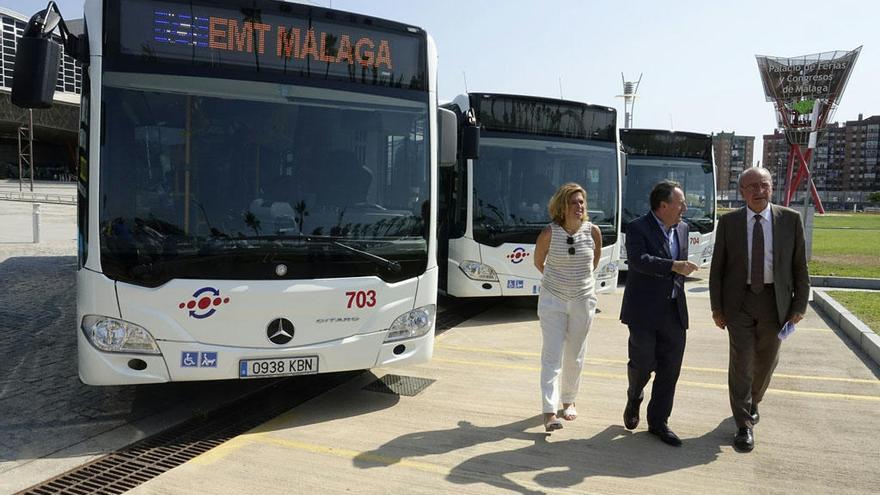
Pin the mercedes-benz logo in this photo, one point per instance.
(280, 331)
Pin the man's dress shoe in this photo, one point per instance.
(666, 435)
(631, 414)
(744, 441)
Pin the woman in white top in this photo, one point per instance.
(566, 253)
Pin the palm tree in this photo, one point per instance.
(330, 47)
(252, 222)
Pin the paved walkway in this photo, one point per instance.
(57, 222)
(476, 429)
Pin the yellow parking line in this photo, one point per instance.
(684, 382)
(226, 448)
(621, 361)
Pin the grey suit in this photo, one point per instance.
(754, 320)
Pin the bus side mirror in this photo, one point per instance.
(470, 142)
(448, 137)
(37, 60)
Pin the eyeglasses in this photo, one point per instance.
(757, 186)
(570, 240)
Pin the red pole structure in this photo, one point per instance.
(801, 171)
(789, 190)
(804, 172)
(815, 193)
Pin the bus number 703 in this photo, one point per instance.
(361, 298)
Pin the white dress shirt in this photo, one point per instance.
(671, 242)
(767, 225)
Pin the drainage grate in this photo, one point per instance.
(121, 471)
(408, 386)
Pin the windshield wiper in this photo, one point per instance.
(385, 263)
(233, 250)
(516, 228)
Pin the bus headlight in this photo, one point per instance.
(707, 251)
(607, 271)
(114, 335)
(412, 324)
(477, 271)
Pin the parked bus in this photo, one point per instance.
(256, 187)
(685, 157)
(494, 200)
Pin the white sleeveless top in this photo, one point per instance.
(569, 276)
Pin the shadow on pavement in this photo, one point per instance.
(436, 442)
(613, 452)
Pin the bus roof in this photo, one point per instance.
(543, 116)
(658, 142)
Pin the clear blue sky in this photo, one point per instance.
(697, 57)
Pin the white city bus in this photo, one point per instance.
(685, 157)
(257, 186)
(515, 152)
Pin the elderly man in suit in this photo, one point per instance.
(757, 282)
(655, 308)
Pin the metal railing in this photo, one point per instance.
(29, 197)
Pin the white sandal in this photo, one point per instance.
(569, 413)
(553, 425)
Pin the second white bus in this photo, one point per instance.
(686, 157)
(494, 201)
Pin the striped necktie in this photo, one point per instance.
(757, 268)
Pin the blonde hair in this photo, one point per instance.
(559, 202)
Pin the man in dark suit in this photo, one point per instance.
(757, 282)
(655, 308)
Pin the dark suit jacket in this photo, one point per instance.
(650, 278)
(730, 263)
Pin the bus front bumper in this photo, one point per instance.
(192, 361)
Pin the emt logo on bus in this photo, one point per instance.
(518, 255)
(203, 303)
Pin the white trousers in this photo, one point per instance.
(564, 326)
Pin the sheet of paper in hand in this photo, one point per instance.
(787, 330)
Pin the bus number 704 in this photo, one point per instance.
(361, 298)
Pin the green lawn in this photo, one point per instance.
(865, 305)
(847, 221)
(846, 245)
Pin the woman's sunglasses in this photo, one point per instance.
(570, 241)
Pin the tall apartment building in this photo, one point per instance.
(844, 165)
(732, 155)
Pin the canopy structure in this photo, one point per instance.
(805, 91)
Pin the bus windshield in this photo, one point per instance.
(515, 178)
(695, 177)
(223, 179)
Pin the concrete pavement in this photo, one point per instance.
(477, 428)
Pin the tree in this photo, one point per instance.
(874, 197)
